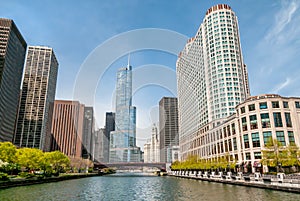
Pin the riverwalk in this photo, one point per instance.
(281, 182)
(24, 182)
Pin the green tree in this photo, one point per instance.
(8, 152)
(56, 160)
(30, 158)
(273, 155)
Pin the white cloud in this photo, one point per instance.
(282, 85)
(282, 19)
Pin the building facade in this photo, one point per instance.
(67, 127)
(152, 147)
(211, 76)
(12, 56)
(147, 151)
(109, 126)
(244, 134)
(37, 99)
(168, 126)
(88, 133)
(99, 148)
(123, 140)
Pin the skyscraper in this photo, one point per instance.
(168, 126)
(123, 140)
(12, 55)
(37, 99)
(67, 127)
(211, 75)
(99, 145)
(109, 126)
(88, 132)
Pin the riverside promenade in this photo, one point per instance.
(281, 182)
(25, 182)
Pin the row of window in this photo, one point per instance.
(264, 105)
(267, 136)
(265, 121)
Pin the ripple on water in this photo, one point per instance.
(122, 188)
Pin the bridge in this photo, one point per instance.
(131, 165)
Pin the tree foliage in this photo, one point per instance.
(7, 152)
(194, 163)
(31, 160)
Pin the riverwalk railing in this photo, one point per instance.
(277, 182)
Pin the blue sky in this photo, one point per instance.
(269, 31)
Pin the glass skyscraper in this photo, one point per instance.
(123, 140)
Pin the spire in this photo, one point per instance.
(128, 62)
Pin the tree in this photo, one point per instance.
(273, 154)
(56, 160)
(7, 152)
(30, 158)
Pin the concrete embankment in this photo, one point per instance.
(281, 186)
(32, 181)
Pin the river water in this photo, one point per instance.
(124, 187)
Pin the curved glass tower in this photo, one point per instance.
(123, 140)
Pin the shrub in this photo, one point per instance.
(26, 175)
(3, 176)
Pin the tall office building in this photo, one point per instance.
(67, 127)
(99, 145)
(168, 126)
(109, 126)
(88, 132)
(12, 56)
(123, 140)
(37, 99)
(211, 75)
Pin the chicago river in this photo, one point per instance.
(122, 186)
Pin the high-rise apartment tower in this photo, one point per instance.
(123, 140)
(211, 75)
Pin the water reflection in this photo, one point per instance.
(140, 187)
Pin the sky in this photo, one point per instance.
(92, 39)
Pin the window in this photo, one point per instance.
(285, 104)
(257, 155)
(233, 129)
(248, 156)
(291, 137)
(265, 120)
(244, 123)
(229, 145)
(288, 119)
(267, 136)
(280, 137)
(277, 119)
(228, 131)
(242, 110)
(246, 141)
(255, 140)
(234, 144)
(251, 107)
(297, 104)
(253, 122)
(263, 105)
(275, 104)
